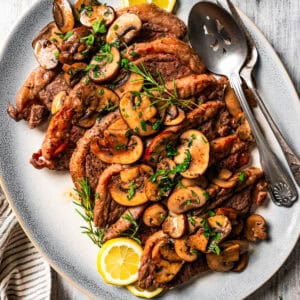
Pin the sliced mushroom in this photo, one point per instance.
(255, 228)
(194, 142)
(94, 100)
(116, 146)
(58, 102)
(124, 29)
(51, 33)
(229, 212)
(97, 13)
(174, 116)
(128, 82)
(232, 102)
(74, 73)
(157, 148)
(182, 200)
(198, 241)
(242, 263)
(161, 185)
(220, 224)
(194, 223)
(46, 54)
(165, 271)
(224, 174)
(154, 215)
(244, 245)
(184, 250)
(105, 67)
(168, 253)
(200, 181)
(175, 226)
(225, 261)
(131, 193)
(63, 15)
(140, 115)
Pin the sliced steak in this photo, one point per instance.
(189, 271)
(47, 94)
(156, 22)
(38, 114)
(241, 201)
(169, 66)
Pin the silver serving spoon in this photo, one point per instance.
(223, 46)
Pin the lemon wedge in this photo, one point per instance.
(149, 293)
(168, 5)
(119, 260)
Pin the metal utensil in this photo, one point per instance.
(223, 46)
(246, 73)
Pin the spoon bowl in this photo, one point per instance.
(223, 47)
(217, 38)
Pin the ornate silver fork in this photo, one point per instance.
(246, 73)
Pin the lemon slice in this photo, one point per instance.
(150, 293)
(119, 260)
(168, 5)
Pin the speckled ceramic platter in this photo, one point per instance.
(40, 198)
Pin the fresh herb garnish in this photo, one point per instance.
(171, 150)
(89, 39)
(211, 213)
(242, 177)
(65, 36)
(144, 125)
(56, 54)
(87, 212)
(131, 190)
(99, 27)
(133, 231)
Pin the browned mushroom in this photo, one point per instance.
(223, 262)
(184, 250)
(175, 225)
(124, 29)
(255, 228)
(194, 142)
(140, 115)
(73, 73)
(165, 271)
(199, 240)
(158, 147)
(105, 65)
(158, 187)
(46, 54)
(194, 223)
(185, 199)
(242, 263)
(174, 116)
(200, 181)
(132, 191)
(167, 252)
(96, 13)
(116, 147)
(154, 215)
(220, 224)
(128, 82)
(94, 100)
(63, 15)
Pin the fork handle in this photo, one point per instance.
(282, 188)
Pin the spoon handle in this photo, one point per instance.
(282, 187)
(292, 159)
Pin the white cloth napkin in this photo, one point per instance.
(24, 274)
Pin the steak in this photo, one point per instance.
(47, 94)
(241, 201)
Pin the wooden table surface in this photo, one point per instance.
(279, 20)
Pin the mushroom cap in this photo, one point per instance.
(105, 67)
(154, 215)
(196, 143)
(46, 54)
(185, 199)
(63, 15)
(175, 225)
(97, 13)
(124, 29)
(255, 228)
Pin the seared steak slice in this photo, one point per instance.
(184, 53)
(156, 21)
(169, 66)
(189, 271)
(241, 201)
(28, 95)
(53, 88)
(38, 114)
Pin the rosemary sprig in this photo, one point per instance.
(87, 213)
(132, 231)
(157, 91)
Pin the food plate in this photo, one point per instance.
(44, 208)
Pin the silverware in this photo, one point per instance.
(247, 74)
(223, 46)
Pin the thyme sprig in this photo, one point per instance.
(87, 213)
(157, 91)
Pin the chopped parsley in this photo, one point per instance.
(144, 125)
(99, 27)
(242, 177)
(131, 190)
(65, 36)
(171, 150)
